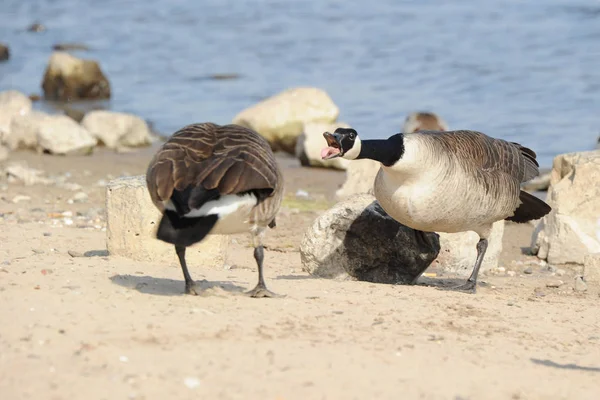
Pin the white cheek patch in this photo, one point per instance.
(353, 153)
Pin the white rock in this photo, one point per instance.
(24, 130)
(132, 220)
(357, 239)
(311, 141)
(591, 268)
(360, 177)
(569, 232)
(12, 104)
(59, 134)
(459, 250)
(281, 118)
(116, 130)
(20, 172)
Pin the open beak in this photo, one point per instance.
(334, 147)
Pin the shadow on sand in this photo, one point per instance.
(169, 287)
(549, 363)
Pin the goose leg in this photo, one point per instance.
(189, 283)
(260, 290)
(471, 284)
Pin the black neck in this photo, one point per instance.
(386, 151)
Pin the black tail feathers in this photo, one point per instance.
(531, 208)
(182, 231)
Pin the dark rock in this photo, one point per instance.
(69, 78)
(36, 27)
(35, 97)
(70, 47)
(357, 239)
(4, 52)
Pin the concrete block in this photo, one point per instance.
(591, 268)
(132, 220)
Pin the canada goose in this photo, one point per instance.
(451, 181)
(424, 121)
(212, 179)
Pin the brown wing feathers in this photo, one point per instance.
(225, 159)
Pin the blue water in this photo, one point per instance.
(528, 71)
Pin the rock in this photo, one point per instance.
(357, 239)
(70, 47)
(360, 177)
(311, 141)
(539, 183)
(115, 129)
(132, 220)
(572, 229)
(459, 250)
(580, 285)
(528, 271)
(591, 268)
(59, 134)
(4, 52)
(19, 198)
(554, 284)
(20, 172)
(280, 119)
(12, 104)
(80, 197)
(424, 121)
(70, 78)
(4, 152)
(598, 143)
(24, 130)
(36, 27)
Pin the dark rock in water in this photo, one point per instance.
(35, 97)
(4, 52)
(357, 239)
(70, 47)
(36, 27)
(69, 78)
(598, 143)
(222, 77)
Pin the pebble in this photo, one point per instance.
(47, 234)
(38, 251)
(528, 271)
(511, 273)
(560, 272)
(123, 359)
(80, 197)
(302, 194)
(19, 198)
(191, 382)
(501, 269)
(554, 284)
(580, 285)
(74, 253)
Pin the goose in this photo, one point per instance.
(453, 181)
(215, 179)
(424, 121)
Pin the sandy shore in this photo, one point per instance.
(77, 323)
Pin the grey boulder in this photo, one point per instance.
(356, 239)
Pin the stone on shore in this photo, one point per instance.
(116, 130)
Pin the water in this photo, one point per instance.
(520, 70)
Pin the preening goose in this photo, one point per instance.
(451, 181)
(424, 121)
(212, 179)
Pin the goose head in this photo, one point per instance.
(343, 142)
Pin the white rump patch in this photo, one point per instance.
(224, 206)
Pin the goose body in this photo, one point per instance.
(452, 181)
(213, 179)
